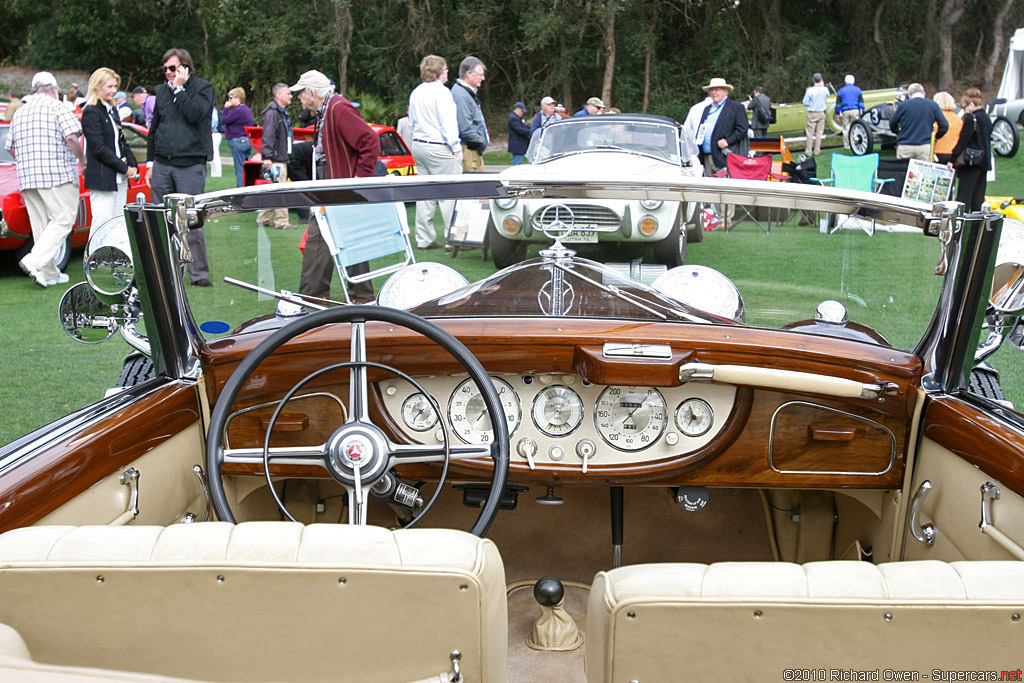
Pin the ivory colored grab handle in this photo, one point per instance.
(787, 380)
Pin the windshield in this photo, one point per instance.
(5, 156)
(885, 281)
(618, 133)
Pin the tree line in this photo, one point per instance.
(638, 55)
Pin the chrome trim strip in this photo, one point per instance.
(923, 533)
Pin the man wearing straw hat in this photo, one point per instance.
(722, 124)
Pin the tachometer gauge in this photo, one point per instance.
(418, 414)
(694, 417)
(468, 414)
(630, 418)
(557, 410)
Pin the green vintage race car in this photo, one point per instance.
(791, 117)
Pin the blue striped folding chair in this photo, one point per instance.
(355, 233)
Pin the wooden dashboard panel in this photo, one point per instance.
(738, 455)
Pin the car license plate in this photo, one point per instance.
(581, 237)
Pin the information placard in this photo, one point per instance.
(927, 182)
(469, 224)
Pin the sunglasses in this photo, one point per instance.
(172, 67)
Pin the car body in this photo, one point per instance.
(791, 117)
(394, 153)
(783, 445)
(628, 143)
(15, 228)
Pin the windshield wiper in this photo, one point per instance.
(284, 295)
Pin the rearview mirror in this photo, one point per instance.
(1008, 287)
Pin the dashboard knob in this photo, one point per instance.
(585, 449)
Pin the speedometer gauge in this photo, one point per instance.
(468, 414)
(630, 418)
(557, 411)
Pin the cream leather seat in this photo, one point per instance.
(257, 601)
(755, 621)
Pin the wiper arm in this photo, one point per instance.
(284, 295)
(628, 297)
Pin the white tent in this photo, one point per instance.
(1012, 87)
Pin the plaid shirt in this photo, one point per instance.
(37, 140)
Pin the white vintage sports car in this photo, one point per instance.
(622, 144)
(792, 462)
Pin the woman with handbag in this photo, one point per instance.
(973, 152)
(109, 161)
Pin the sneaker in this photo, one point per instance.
(202, 283)
(288, 226)
(61, 279)
(36, 276)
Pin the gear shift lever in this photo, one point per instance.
(555, 629)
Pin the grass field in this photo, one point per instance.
(45, 374)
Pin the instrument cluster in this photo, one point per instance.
(565, 419)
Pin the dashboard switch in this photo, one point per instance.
(527, 448)
(585, 449)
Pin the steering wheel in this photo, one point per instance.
(358, 454)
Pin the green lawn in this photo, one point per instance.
(46, 374)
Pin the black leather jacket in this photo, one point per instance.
(179, 134)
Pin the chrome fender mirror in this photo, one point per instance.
(86, 318)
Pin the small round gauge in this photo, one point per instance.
(468, 414)
(418, 414)
(557, 410)
(630, 418)
(694, 417)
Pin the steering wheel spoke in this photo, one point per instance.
(313, 455)
(406, 453)
(358, 394)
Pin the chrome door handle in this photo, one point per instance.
(923, 533)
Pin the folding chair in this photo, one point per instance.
(355, 233)
(855, 173)
(742, 167)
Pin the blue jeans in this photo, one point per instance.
(240, 151)
(517, 159)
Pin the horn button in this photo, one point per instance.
(357, 445)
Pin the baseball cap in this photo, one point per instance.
(596, 101)
(311, 79)
(548, 100)
(816, 76)
(519, 105)
(120, 93)
(43, 78)
(139, 89)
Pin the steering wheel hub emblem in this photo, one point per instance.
(357, 446)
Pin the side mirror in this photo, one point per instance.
(1007, 287)
(86, 318)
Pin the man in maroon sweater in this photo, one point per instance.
(346, 148)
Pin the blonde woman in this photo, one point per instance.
(110, 161)
(944, 146)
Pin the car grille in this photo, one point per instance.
(600, 217)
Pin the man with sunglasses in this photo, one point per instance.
(180, 143)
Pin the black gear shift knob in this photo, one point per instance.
(548, 591)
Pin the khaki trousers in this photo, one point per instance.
(849, 116)
(433, 160)
(814, 129)
(275, 218)
(922, 152)
(472, 161)
(52, 212)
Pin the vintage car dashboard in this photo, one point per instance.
(565, 419)
(579, 416)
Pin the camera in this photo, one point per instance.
(272, 174)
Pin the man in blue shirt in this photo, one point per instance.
(593, 106)
(518, 133)
(815, 100)
(849, 107)
(913, 123)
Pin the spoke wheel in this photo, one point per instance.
(861, 140)
(1005, 137)
(358, 454)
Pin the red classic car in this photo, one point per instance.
(15, 229)
(394, 154)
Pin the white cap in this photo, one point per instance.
(43, 79)
(312, 79)
(849, 79)
(548, 100)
